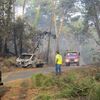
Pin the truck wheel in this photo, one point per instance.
(39, 65)
(67, 64)
(78, 64)
(29, 66)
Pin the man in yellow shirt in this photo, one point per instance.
(58, 61)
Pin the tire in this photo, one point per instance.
(67, 64)
(78, 64)
(39, 65)
(30, 66)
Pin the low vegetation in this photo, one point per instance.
(7, 64)
(76, 84)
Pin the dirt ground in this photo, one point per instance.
(18, 90)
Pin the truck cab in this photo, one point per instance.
(72, 58)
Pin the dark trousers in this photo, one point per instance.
(58, 68)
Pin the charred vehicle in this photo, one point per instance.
(28, 60)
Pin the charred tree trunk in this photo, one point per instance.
(21, 43)
(15, 44)
(4, 47)
(14, 33)
(0, 45)
(48, 48)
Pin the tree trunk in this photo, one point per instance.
(0, 45)
(57, 41)
(55, 22)
(21, 44)
(97, 25)
(4, 47)
(58, 29)
(49, 35)
(96, 19)
(14, 33)
(15, 44)
(48, 49)
(24, 3)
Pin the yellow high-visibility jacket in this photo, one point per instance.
(58, 59)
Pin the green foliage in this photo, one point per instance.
(83, 87)
(66, 91)
(97, 76)
(69, 85)
(70, 77)
(37, 17)
(76, 88)
(43, 97)
(95, 93)
(19, 2)
(9, 61)
(41, 80)
(38, 8)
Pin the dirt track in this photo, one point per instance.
(28, 73)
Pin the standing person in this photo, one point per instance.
(58, 61)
